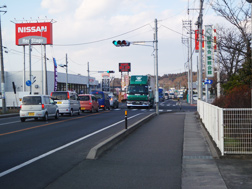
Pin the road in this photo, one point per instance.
(35, 153)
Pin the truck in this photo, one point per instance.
(161, 94)
(140, 91)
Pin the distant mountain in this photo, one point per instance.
(175, 80)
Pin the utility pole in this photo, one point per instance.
(191, 76)
(88, 78)
(185, 41)
(46, 89)
(24, 84)
(30, 66)
(156, 58)
(66, 73)
(2, 67)
(200, 22)
(188, 25)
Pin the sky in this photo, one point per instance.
(79, 24)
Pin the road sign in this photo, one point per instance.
(208, 81)
(28, 83)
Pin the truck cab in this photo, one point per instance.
(140, 93)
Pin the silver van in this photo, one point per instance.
(38, 106)
(67, 102)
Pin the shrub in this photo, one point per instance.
(238, 97)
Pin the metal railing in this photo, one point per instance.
(231, 129)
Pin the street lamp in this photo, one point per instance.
(2, 66)
(65, 65)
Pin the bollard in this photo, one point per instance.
(126, 120)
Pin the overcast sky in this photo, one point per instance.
(86, 21)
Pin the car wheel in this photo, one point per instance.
(61, 114)
(57, 115)
(46, 117)
(22, 119)
(114, 106)
(71, 113)
(35, 118)
(79, 112)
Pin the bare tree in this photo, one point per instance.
(237, 13)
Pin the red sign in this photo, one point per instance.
(124, 67)
(197, 40)
(38, 33)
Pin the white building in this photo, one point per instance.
(76, 83)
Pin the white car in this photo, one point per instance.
(67, 102)
(38, 106)
(195, 97)
(113, 101)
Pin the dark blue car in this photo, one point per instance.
(103, 99)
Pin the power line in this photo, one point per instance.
(101, 40)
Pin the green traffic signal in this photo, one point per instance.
(115, 43)
(110, 71)
(122, 43)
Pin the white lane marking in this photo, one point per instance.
(60, 148)
(9, 123)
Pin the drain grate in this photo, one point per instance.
(197, 157)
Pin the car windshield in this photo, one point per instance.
(138, 89)
(84, 98)
(31, 100)
(59, 95)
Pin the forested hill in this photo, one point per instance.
(175, 80)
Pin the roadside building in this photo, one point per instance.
(78, 83)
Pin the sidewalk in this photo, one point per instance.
(123, 165)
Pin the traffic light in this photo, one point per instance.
(111, 71)
(122, 43)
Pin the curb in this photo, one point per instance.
(97, 150)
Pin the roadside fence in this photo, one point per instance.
(230, 128)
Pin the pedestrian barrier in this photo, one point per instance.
(230, 128)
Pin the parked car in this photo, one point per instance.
(67, 102)
(113, 101)
(88, 102)
(38, 106)
(103, 99)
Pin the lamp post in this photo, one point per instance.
(2, 66)
(65, 65)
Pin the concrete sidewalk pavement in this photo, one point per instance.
(122, 166)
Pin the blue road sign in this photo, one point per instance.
(28, 83)
(208, 81)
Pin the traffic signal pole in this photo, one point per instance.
(156, 63)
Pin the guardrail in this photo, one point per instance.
(231, 129)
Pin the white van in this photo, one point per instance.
(38, 106)
(67, 102)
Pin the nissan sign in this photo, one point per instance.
(38, 33)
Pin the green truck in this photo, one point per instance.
(140, 91)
